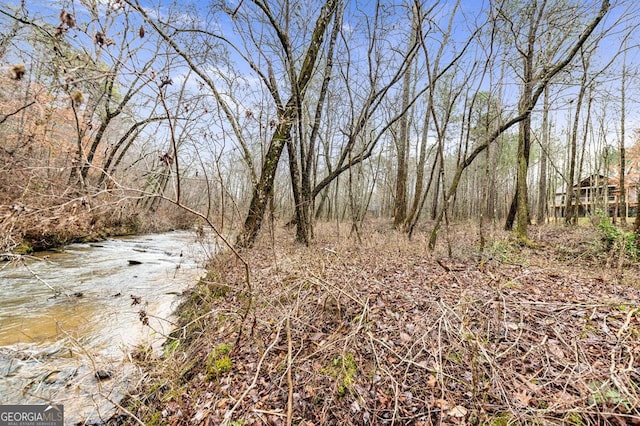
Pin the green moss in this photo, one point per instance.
(525, 241)
(155, 419)
(222, 365)
(24, 248)
(202, 298)
(224, 349)
(218, 290)
(219, 362)
(603, 393)
(502, 419)
(212, 287)
(343, 370)
(573, 419)
(455, 357)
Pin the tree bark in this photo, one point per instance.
(524, 136)
(636, 224)
(571, 213)
(305, 206)
(622, 200)
(542, 183)
(263, 190)
(400, 203)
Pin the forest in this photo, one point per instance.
(427, 210)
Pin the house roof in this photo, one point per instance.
(596, 180)
(592, 180)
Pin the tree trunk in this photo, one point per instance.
(263, 190)
(400, 204)
(571, 197)
(305, 206)
(636, 224)
(511, 214)
(522, 202)
(542, 183)
(300, 201)
(264, 187)
(524, 136)
(622, 201)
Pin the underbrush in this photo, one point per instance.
(616, 240)
(385, 332)
(28, 228)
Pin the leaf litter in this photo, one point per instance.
(386, 332)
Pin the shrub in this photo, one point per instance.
(615, 238)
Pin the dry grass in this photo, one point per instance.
(385, 332)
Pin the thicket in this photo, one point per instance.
(617, 240)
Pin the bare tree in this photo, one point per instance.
(402, 139)
(525, 108)
(434, 72)
(571, 213)
(544, 147)
(622, 200)
(288, 112)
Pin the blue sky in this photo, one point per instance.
(472, 11)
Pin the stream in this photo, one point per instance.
(71, 319)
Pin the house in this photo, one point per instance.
(599, 192)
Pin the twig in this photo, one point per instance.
(228, 414)
(236, 253)
(627, 322)
(289, 368)
(127, 412)
(4, 117)
(37, 277)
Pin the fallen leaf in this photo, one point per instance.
(554, 348)
(458, 411)
(522, 399)
(442, 404)
(431, 381)
(316, 336)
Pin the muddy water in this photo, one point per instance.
(70, 320)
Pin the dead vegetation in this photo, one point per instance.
(37, 226)
(385, 332)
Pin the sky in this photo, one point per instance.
(472, 11)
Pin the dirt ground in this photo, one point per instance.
(383, 331)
